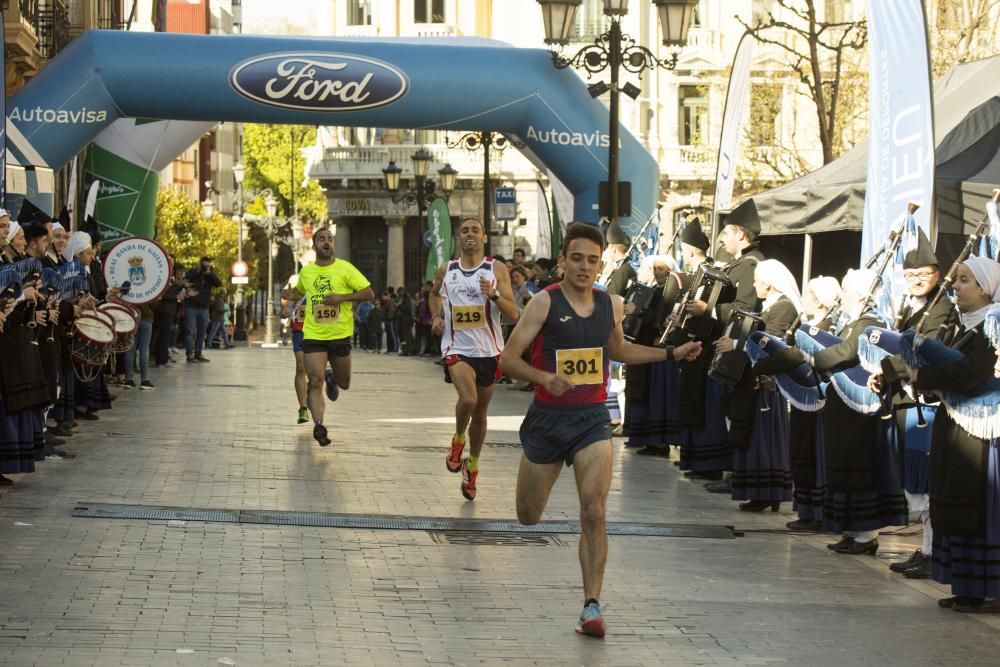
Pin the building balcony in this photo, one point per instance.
(367, 162)
(688, 163)
(431, 30)
(358, 31)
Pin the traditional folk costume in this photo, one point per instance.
(965, 468)
(761, 469)
(863, 491)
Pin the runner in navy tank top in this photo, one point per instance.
(573, 331)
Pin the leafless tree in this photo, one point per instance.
(819, 54)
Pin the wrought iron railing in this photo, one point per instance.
(51, 25)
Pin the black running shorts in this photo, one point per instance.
(339, 347)
(487, 368)
(554, 433)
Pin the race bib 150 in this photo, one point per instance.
(324, 314)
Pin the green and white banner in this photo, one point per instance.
(125, 159)
(439, 235)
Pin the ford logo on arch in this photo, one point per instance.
(319, 81)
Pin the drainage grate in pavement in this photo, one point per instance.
(228, 386)
(387, 522)
(437, 449)
(466, 538)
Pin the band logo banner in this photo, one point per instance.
(901, 121)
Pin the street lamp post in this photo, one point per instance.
(424, 190)
(615, 50)
(271, 226)
(473, 141)
(240, 330)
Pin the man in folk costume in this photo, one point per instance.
(863, 488)
(619, 278)
(920, 313)
(705, 452)
(739, 239)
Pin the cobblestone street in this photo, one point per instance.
(222, 436)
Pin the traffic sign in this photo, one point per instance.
(240, 280)
(239, 270)
(505, 204)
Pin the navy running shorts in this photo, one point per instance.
(554, 433)
(297, 337)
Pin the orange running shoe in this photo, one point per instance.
(468, 481)
(454, 460)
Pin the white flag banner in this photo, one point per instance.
(543, 240)
(732, 122)
(901, 121)
(564, 200)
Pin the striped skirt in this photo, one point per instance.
(763, 471)
(972, 564)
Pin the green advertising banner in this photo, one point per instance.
(439, 234)
(126, 196)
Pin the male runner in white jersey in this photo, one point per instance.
(573, 331)
(468, 296)
(330, 287)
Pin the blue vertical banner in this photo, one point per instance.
(901, 122)
(3, 128)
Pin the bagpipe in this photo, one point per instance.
(711, 285)
(10, 284)
(851, 384)
(796, 379)
(728, 368)
(976, 412)
(30, 270)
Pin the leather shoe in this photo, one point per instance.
(920, 570)
(721, 486)
(978, 606)
(51, 439)
(856, 548)
(844, 541)
(905, 565)
(708, 475)
(61, 431)
(804, 526)
(949, 603)
(759, 505)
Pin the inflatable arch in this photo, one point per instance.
(454, 84)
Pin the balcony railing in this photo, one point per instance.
(358, 31)
(431, 30)
(52, 26)
(368, 161)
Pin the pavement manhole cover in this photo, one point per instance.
(466, 538)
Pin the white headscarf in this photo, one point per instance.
(775, 274)
(987, 274)
(56, 226)
(12, 231)
(645, 272)
(857, 282)
(4, 213)
(77, 243)
(826, 289)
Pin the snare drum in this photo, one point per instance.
(90, 347)
(125, 325)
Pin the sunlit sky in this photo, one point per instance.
(282, 17)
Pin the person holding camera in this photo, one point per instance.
(198, 284)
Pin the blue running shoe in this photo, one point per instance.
(592, 621)
(332, 390)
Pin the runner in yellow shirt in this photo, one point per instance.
(330, 287)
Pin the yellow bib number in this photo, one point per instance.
(324, 314)
(468, 317)
(581, 366)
